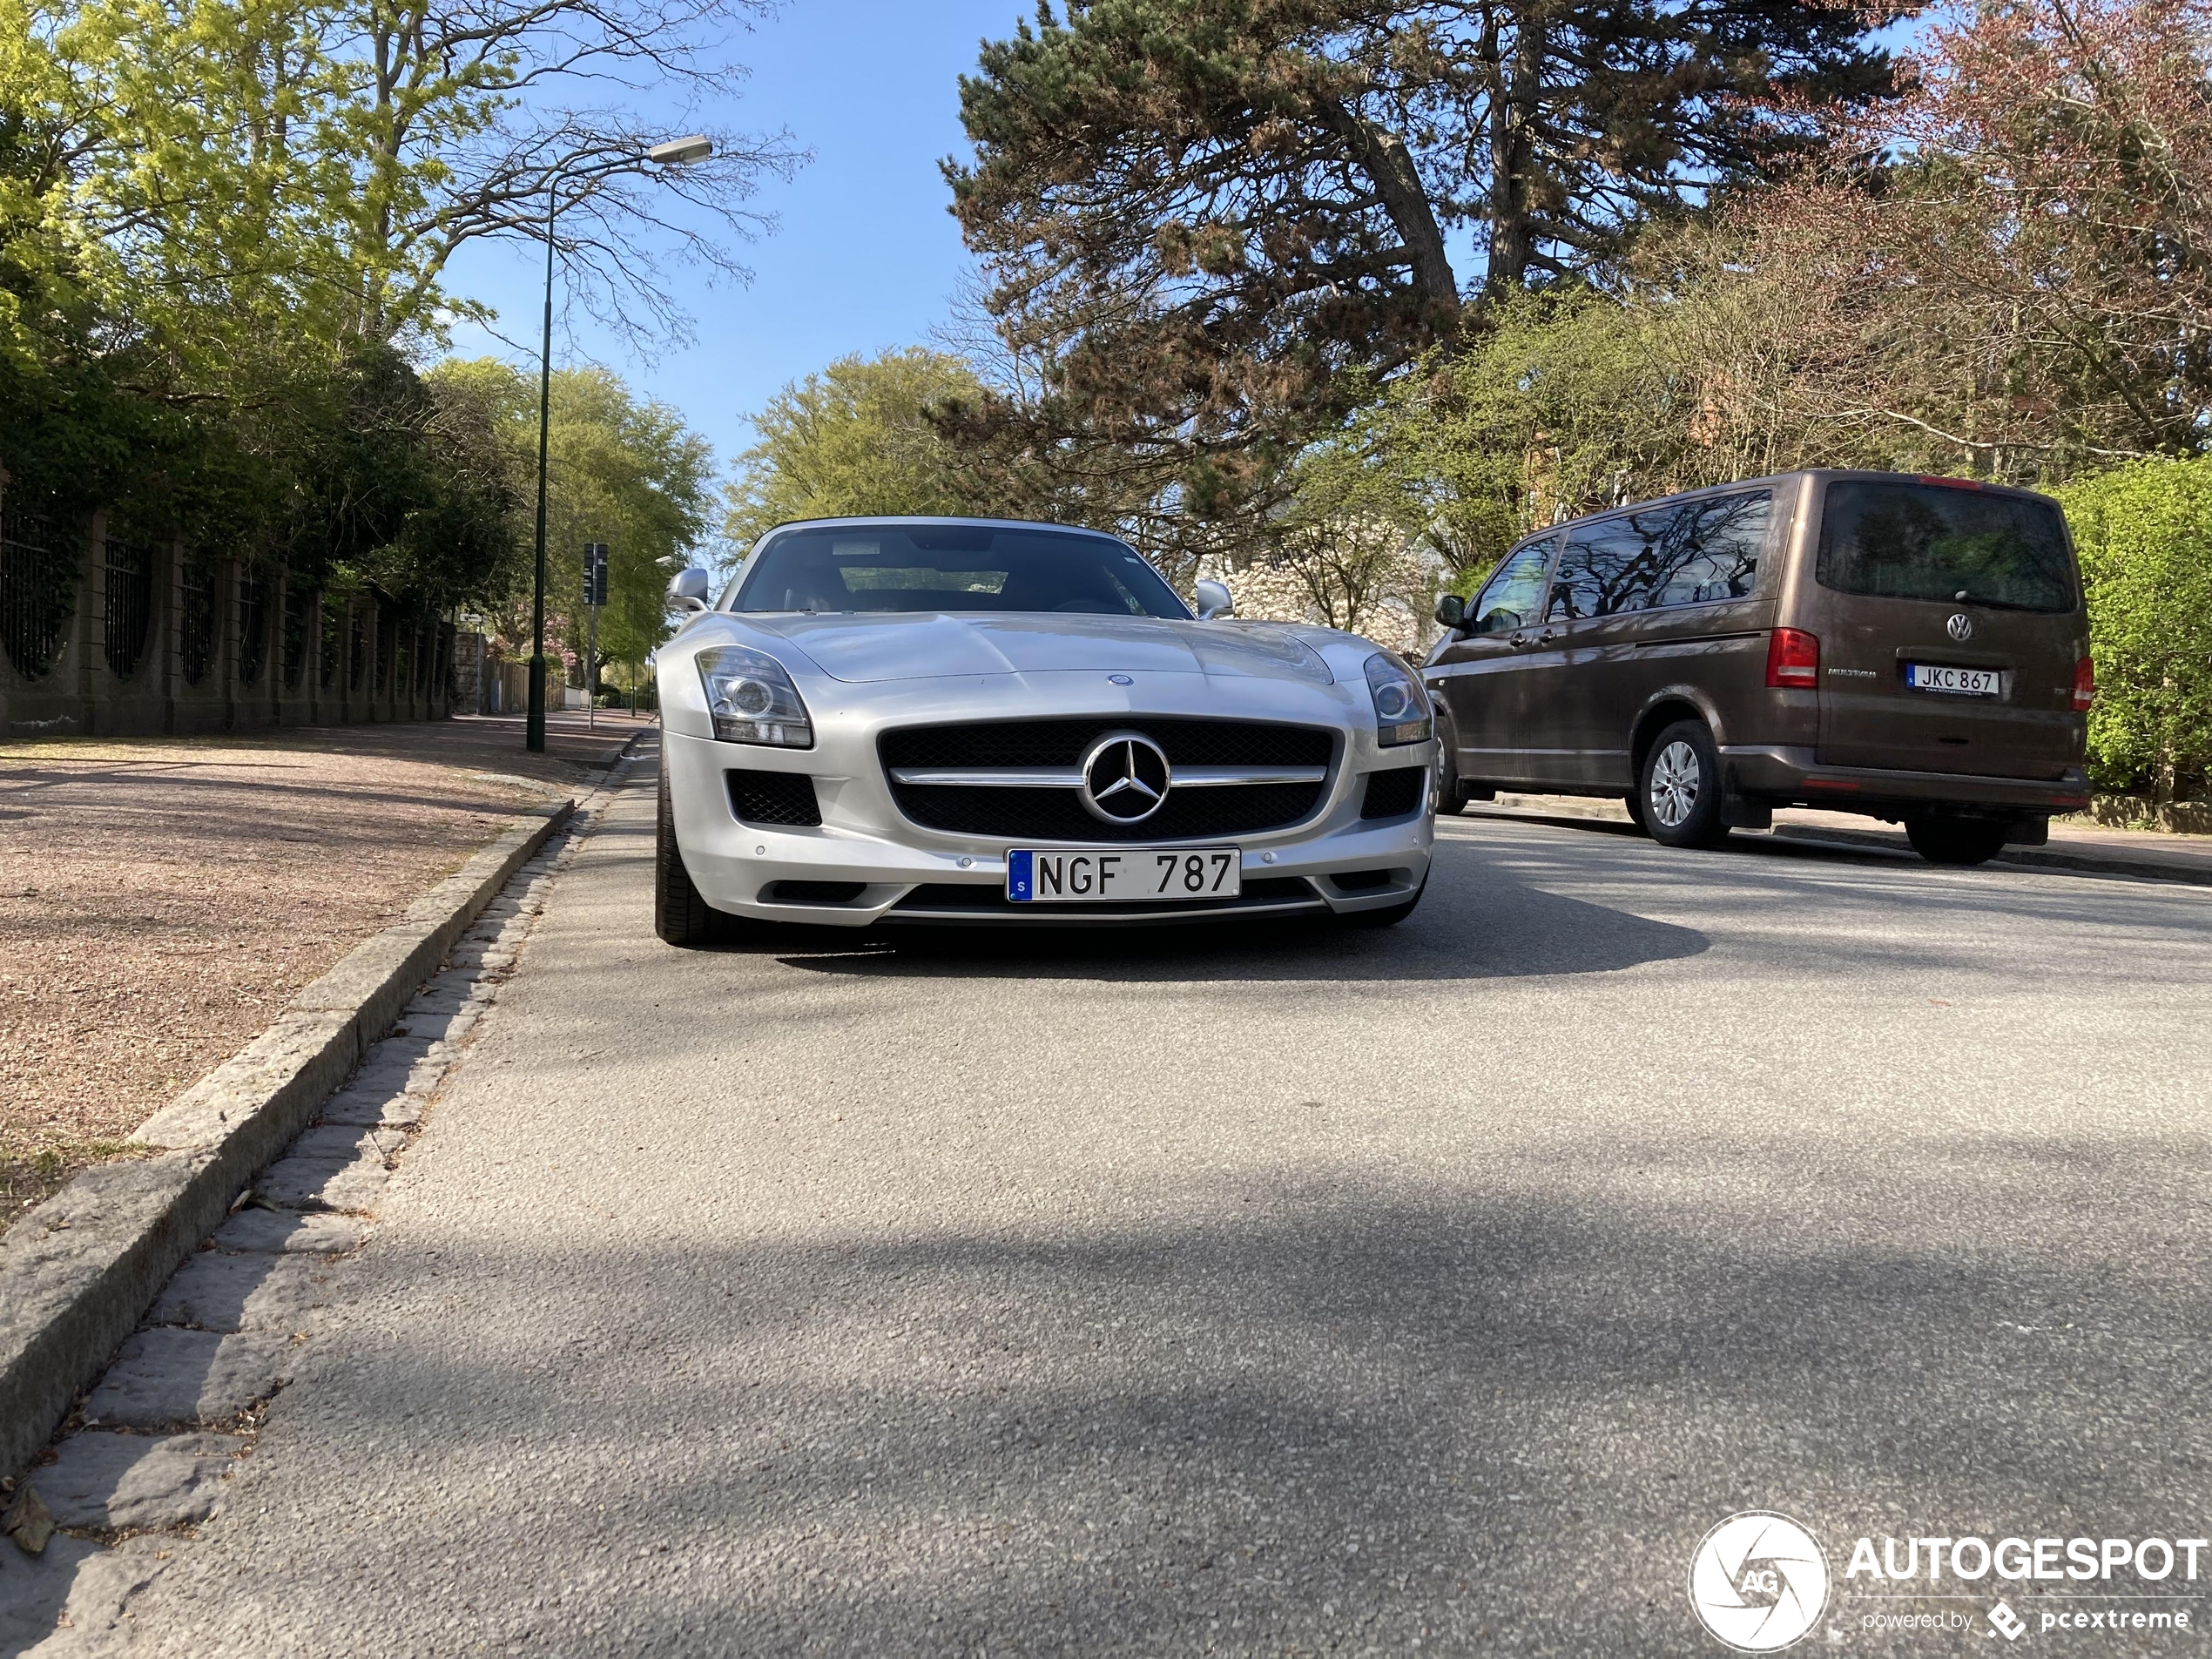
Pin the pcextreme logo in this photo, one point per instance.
(1758, 1582)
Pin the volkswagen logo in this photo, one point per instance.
(1960, 626)
(1125, 778)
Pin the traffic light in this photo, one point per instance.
(595, 573)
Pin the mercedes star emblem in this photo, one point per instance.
(1960, 626)
(1125, 778)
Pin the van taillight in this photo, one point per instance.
(1792, 658)
(2084, 684)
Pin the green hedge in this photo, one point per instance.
(2145, 534)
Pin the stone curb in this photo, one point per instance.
(77, 1272)
(2146, 866)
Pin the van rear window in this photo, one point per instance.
(1910, 541)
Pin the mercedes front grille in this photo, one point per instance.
(1022, 780)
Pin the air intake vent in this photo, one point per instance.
(1393, 794)
(811, 892)
(773, 798)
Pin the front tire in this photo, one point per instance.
(1679, 788)
(1954, 840)
(1451, 795)
(681, 917)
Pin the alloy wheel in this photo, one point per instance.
(1675, 784)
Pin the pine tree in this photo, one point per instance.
(1208, 219)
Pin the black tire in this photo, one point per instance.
(1634, 801)
(1954, 840)
(681, 917)
(1679, 788)
(1451, 795)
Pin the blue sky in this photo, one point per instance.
(866, 256)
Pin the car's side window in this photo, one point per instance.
(1613, 565)
(1714, 554)
(1512, 597)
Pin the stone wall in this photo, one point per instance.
(156, 637)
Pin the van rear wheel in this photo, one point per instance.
(1954, 840)
(1678, 792)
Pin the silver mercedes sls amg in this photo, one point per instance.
(924, 720)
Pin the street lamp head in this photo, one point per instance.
(682, 152)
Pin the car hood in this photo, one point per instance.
(928, 645)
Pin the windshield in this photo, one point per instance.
(953, 567)
(1913, 541)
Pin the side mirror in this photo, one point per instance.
(1214, 601)
(1452, 610)
(688, 590)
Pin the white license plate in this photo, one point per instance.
(1962, 681)
(1123, 874)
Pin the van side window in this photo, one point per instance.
(1696, 554)
(1512, 597)
(1614, 565)
(1715, 550)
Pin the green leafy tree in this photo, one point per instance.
(1200, 213)
(867, 436)
(621, 470)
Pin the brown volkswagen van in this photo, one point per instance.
(1910, 648)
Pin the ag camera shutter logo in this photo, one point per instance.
(1758, 1582)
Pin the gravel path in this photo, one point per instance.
(161, 900)
(1428, 1291)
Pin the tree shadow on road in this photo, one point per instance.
(1305, 1416)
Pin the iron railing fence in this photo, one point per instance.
(332, 620)
(297, 604)
(387, 646)
(196, 620)
(128, 603)
(252, 623)
(38, 567)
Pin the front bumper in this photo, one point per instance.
(1787, 775)
(907, 875)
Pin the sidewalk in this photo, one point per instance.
(2075, 845)
(161, 899)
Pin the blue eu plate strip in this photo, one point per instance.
(1021, 877)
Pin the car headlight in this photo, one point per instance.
(752, 700)
(1401, 706)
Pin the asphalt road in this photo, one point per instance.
(1298, 1291)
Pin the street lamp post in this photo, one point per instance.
(680, 152)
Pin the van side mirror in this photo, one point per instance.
(1214, 601)
(1452, 610)
(688, 590)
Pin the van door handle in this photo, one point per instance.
(1517, 639)
(1547, 636)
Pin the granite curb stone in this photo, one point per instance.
(2150, 865)
(165, 1378)
(352, 1184)
(259, 1291)
(77, 1272)
(114, 1481)
(291, 1232)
